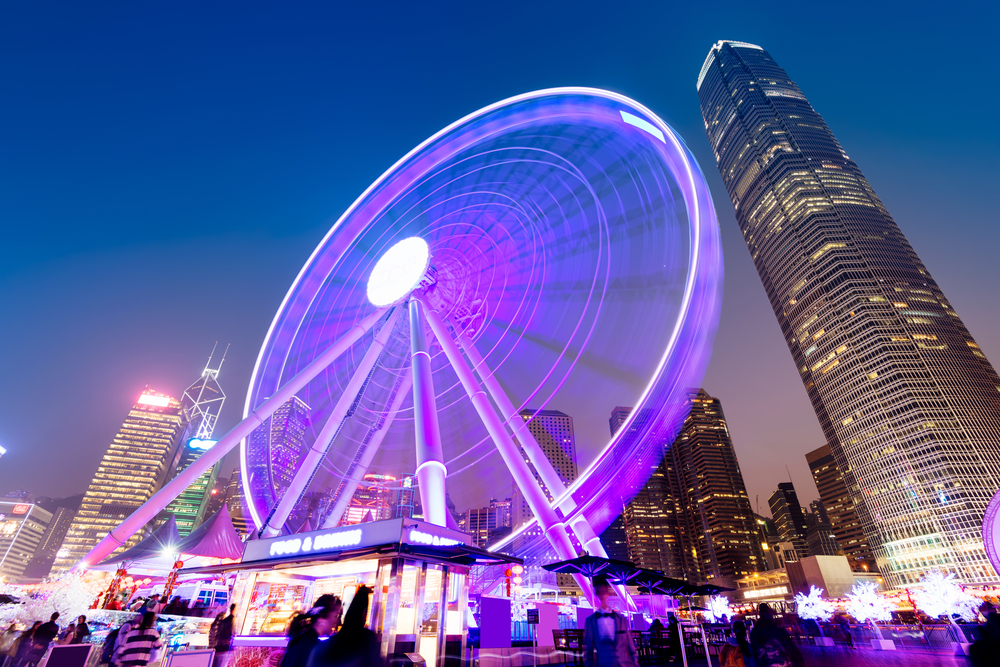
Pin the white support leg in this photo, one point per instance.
(553, 528)
(580, 527)
(317, 453)
(431, 471)
(350, 484)
(186, 477)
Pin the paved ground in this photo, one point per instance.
(843, 657)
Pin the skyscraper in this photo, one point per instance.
(721, 522)
(483, 523)
(22, 531)
(133, 468)
(283, 435)
(789, 519)
(692, 519)
(202, 402)
(908, 402)
(405, 499)
(839, 508)
(554, 432)
(48, 548)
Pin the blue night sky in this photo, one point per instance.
(166, 168)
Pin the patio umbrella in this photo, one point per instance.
(657, 582)
(588, 566)
(621, 571)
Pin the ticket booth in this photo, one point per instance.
(419, 574)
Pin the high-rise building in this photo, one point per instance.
(789, 519)
(483, 522)
(721, 522)
(372, 500)
(48, 548)
(234, 502)
(692, 519)
(614, 539)
(134, 467)
(553, 430)
(202, 402)
(22, 528)
(840, 508)
(282, 435)
(908, 402)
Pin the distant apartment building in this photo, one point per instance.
(789, 519)
(371, 500)
(485, 523)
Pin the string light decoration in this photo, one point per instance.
(718, 607)
(865, 604)
(942, 596)
(812, 606)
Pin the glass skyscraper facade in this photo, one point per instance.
(908, 402)
(133, 469)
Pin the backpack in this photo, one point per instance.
(773, 654)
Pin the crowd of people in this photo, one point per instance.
(317, 638)
(27, 647)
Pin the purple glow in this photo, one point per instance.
(580, 256)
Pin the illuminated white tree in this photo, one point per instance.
(813, 606)
(865, 604)
(942, 596)
(718, 607)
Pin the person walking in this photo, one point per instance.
(607, 641)
(139, 647)
(224, 638)
(355, 645)
(845, 627)
(41, 639)
(321, 622)
(770, 644)
(22, 646)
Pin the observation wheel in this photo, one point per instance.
(556, 251)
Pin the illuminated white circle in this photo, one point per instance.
(398, 271)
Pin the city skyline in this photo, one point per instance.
(125, 376)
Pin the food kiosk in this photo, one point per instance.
(418, 573)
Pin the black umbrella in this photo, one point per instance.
(711, 589)
(621, 571)
(588, 566)
(657, 582)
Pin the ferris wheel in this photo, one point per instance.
(557, 250)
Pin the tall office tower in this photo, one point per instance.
(657, 533)
(840, 508)
(202, 402)
(48, 548)
(371, 501)
(721, 522)
(908, 402)
(133, 469)
(789, 519)
(406, 498)
(554, 432)
(768, 536)
(284, 432)
(22, 528)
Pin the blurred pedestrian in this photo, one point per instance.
(607, 641)
(355, 645)
(985, 652)
(224, 638)
(68, 634)
(141, 645)
(845, 627)
(22, 646)
(321, 621)
(770, 644)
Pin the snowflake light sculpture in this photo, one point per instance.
(813, 606)
(865, 604)
(718, 607)
(942, 596)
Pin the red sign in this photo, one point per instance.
(20, 509)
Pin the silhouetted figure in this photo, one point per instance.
(82, 631)
(24, 643)
(769, 642)
(224, 638)
(736, 652)
(320, 621)
(138, 647)
(845, 627)
(355, 645)
(985, 652)
(607, 641)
